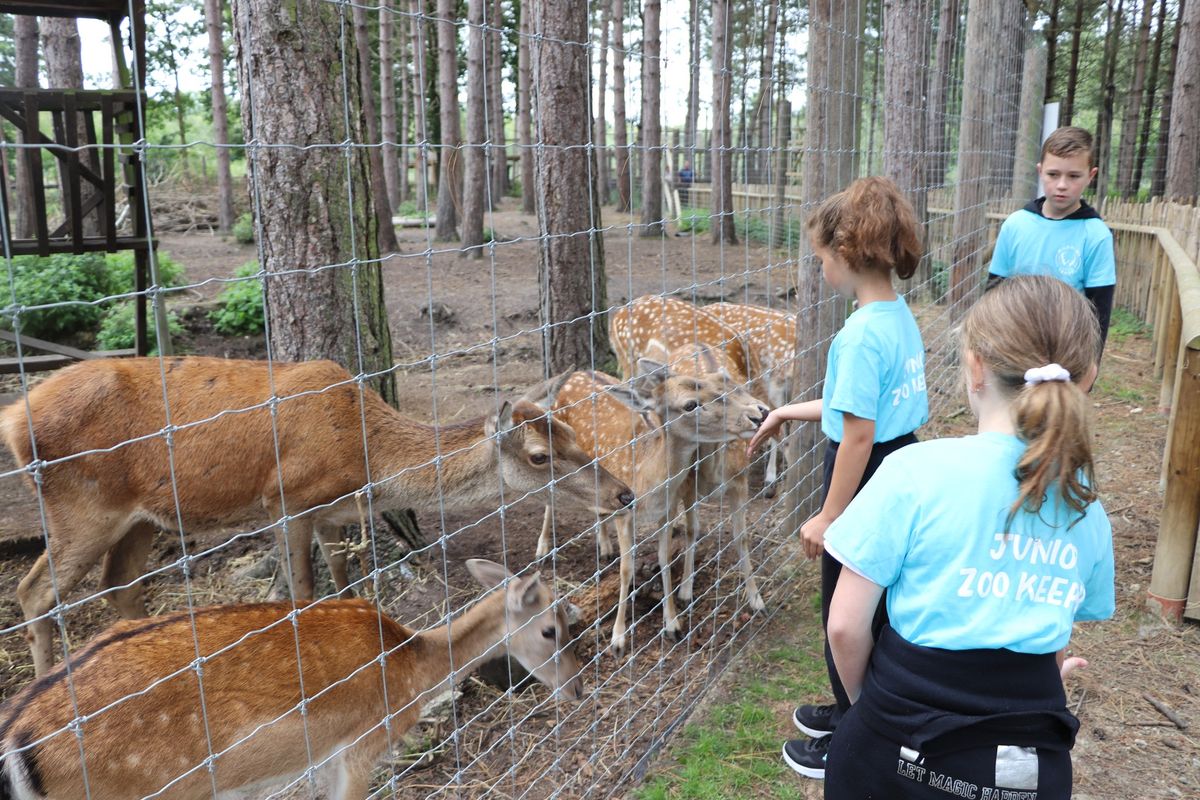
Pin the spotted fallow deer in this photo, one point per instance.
(771, 335)
(260, 694)
(647, 433)
(112, 466)
(648, 325)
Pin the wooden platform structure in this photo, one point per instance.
(93, 136)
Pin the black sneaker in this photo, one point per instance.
(807, 756)
(815, 721)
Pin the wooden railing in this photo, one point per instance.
(1158, 250)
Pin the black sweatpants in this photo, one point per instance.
(863, 764)
(831, 568)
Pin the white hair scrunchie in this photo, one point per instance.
(1050, 372)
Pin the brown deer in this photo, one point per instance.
(647, 433)
(646, 326)
(771, 335)
(243, 437)
(194, 705)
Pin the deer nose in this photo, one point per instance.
(762, 415)
(625, 498)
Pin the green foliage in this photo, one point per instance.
(121, 266)
(118, 329)
(241, 309)
(243, 228)
(693, 220)
(514, 188)
(1123, 324)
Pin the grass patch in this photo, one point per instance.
(1123, 324)
(731, 749)
(1109, 386)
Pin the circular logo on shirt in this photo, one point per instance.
(1067, 260)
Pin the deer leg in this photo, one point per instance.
(625, 543)
(295, 554)
(772, 474)
(690, 531)
(334, 549)
(670, 615)
(124, 562)
(543, 544)
(605, 543)
(753, 598)
(351, 779)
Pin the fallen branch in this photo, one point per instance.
(1166, 711)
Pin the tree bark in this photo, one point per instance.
(420, 121)
(404, 136)
(601, 122)
(571, 280)
(693, 101)
(387, 102)
(1139, 162)
(652, 186)
(220, 115)
(904, 99)
(1158, 181)
(722, 140)
(620, 126)
(1052, 32)
(1029, 132)
(1127, 149)
(1104, 125)
(762, 104)
(25, 35)
(1010, 54)
(314, 211)
(449, 172)
(1067, 110)
(1183, 151)
(383, 207)
(524, 122)
(939, 91)
(498, 152)
(474, 162)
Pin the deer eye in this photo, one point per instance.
(690, 405)
(538, 459)
(550, 632)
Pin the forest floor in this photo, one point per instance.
(485, 320)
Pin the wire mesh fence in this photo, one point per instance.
(217, 687)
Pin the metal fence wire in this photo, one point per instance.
(236, 693)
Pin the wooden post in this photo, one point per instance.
(1176, 549)
(1172, 329)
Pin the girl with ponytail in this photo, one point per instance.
(989, 547)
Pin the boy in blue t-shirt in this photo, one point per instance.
(1059, 234)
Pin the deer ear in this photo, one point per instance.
(488, 573)
(502, 422)
(545, 394)
(523, 592)
(650, 375)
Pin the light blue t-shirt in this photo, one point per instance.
(929, 528)
(1077, 250)
(876, 371)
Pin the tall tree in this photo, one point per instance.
(213, 19)
(904, 48)
(64, 70)
(524, 123)
(1127, 149)
(1158, 180)
(448, 156)
(1029, 139)
(1139, 161)
(1183, 151)
(652, 186)
(620, 126)
(387, 101)
(298, 73)
(1052, 32)
(404, 137)
(1108, 91)
(762, 102)
(1067, 111)
(420, 78)
(25, 33)
(601, 122)
(474, 162)
(498, 152)
(571, 279)
(939, 91)
(1010, 53)
(722, 130)
(693, 99)
(385, 232)
(169, 52)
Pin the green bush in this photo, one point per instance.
(243, 229)
(117, 329)
(77, 280)
(121, 265)
(241, 309)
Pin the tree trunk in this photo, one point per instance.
(379, 192)
(499, 149)
(404, 136)
(387, 102)
(1010, 55)
(314, 211)
(1029, 132)
(524, 123)
(1052, 31)
(762, 104)
(652, 185)
(571, 280)
(420, 121)
(25, 35)
(1183, 151)
(1158, 181)
(693, 101)
(904, 98)
(1108, 89)
(1139, 162)
(1067, 111)
(601, 121)
(939, 91)
(620, 126)
(449, 172)
(474, 162)
(220, 116)
(1127, 150)
(974, 146)
(722, 140)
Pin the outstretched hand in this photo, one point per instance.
(1070, 664)
(770, 427)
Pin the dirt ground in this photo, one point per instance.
(485, 322)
